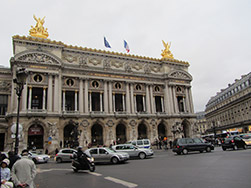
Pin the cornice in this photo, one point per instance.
(78, 48)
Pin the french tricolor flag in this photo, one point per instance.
(126, 47)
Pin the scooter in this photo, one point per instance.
(88, 164)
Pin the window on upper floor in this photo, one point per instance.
(3, 104)
(158, 104)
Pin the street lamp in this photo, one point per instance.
(21, 75)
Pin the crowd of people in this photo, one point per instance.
(162, 143)
(17, 171)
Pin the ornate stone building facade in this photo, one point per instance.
(230, 109)
(100, 96)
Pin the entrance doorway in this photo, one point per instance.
(142, 131)
(161, 130)
(68, 136)
(36, 137)
(97, 135)
(121, 134)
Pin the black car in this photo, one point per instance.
(233, 142)
(185, 145)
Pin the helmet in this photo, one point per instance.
(6, 161)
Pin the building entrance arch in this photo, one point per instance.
(97, 135)
(68, 136)
(185, 126)
(121, 134)
(161, 130)
(36, 137)
(142, 131)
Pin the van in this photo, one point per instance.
(144, 143)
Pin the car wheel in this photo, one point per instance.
(223, 148)
(244, 146)
(142, 155)
(92, 168)
(208, 149)
(235, 147)
(75, 170)
(59, 160)
(115, 160)
(185, 151)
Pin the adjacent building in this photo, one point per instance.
(230, 109)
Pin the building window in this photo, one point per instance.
(118, 102)
(180, 104)
(37, 98)
(156, 89)
(3, 104)
(69, 100)
(96, 101)
(118, 85)
(139, 103)
(138, 87)
(158, 103)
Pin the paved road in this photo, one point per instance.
(218, 169)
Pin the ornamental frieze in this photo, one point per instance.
(155, 68)
(83, 60)
(117, 64)
(180, 75)
(95, 61)
(69, 58)
(37, 58)
(137, 66)
(5, 85)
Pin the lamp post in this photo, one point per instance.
(214, 129)
(21, 75)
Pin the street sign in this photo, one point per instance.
(14, 128)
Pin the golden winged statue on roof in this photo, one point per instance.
(39, 30)
(166, 53)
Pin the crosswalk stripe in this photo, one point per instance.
(125, 183)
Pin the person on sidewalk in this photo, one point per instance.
(24, 171)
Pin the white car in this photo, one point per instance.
(39, 158)
(133, 151)
(144, 143)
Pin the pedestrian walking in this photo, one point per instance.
(171, 144)
(5, 174)
(24, 171)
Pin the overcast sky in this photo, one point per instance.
(214, 36)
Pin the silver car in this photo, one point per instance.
(64, 155)
(104, 155)
(38, 158)
(133, 151)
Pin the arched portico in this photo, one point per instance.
(121, 134)
(142, 131)
(97, 134)
(36, 137)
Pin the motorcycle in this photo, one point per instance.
(87, 164)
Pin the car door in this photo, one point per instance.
(104, 155)
(190, 144)
(238, 142)
(198, 144)
(130, 150)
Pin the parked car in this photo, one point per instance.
(103, 155)
(133, 151)
(185, 145)
(144, 143)
(64, 155)
(233, 142)
(38, 158)
(246, 137)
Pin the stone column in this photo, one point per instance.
(113, 102)
(90, 97)
(166, 99)
(111, 109)
(133, 102)
(170, 104)
(123, 101)
(162, 104)
(86, 97)
(105, 97)
(144, 103)
(128, 107)
(191, 100)
(24, 98)
(44, 97)
(56, 94)
(101, 102)
(30, 97)
(76, 100)
(81, 97)
(152, 101)
(60, 92)
(49, 94)
(148, 106)
(176, 109)
(63, 100)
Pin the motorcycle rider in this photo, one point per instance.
(81, 156)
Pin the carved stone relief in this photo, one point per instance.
(128, 67)
(95, 61)
(69, 58)
(117, 64)
(5, 85)
(106, 64)
(37, 58)
(155, 68)
(83, 60)
(180, 75)
(137, 66)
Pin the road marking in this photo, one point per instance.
(125, 183)
(39, 170)
(94, 173)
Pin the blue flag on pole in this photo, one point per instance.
(107, 45)
(126, 46)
